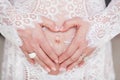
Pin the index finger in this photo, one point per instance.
(46, 46)
(49, 24)
(70, 50)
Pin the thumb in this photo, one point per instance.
(48, 23)
(68, 24)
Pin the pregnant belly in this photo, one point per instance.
(59, 40)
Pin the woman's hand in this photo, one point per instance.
(35, 41)
(78, 49)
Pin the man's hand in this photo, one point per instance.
(78, 49)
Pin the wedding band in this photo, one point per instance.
(32, 55)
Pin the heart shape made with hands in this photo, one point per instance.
(59, 41)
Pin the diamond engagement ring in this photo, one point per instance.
(32, 55)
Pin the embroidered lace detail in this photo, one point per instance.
(104, 26)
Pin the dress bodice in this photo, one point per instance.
(98, 67)
(58, 8)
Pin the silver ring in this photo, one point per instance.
(32, 55)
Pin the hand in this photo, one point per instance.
(78, 49)
(35, 41)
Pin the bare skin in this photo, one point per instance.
(78, 49)
(53, 48)
(35, 41)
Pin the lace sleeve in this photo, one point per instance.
(105, 25)
(11, 20)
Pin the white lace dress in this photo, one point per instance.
(105, 24)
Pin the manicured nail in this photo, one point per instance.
(48, 69)
(53, 68)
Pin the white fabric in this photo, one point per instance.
(105, 24)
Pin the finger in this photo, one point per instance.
(88, 51)
(72, 59)
(49, 50)
(19, 32)
(25, 48)
(41, 54)
(74, 22)
(27, 56)
(75, 56)
(49, 24)
(26, 41)
(42, 64)
(69, 51)
(76, 43)
(44, 44)
(81, 63)
(77, 63)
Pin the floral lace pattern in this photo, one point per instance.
(104, 26)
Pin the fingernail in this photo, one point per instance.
(48, 69)
(62, 69)
(53, 68)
